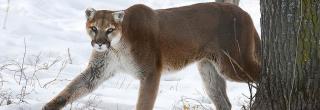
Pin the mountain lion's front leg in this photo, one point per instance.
(83, 84)
(148, 91)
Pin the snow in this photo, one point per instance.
(50, 27)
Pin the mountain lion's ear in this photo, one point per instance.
(118, 16)
(90, 13)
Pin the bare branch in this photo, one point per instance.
(6, 16)
(69, 56)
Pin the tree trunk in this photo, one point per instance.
(236, 2)
(290, 78)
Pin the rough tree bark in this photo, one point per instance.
(236, 2)
(291, 55)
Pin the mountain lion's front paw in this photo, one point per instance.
(50, 106)
(55, 104)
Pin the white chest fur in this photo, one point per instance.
(120, 60)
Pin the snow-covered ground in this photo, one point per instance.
(50, 27)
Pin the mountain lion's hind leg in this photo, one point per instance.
(215, 85)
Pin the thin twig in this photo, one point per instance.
(69, 56)
(235, 35)
(233, 61)
(251, 97)
(23, 59)
(63, 65)
(6, 16)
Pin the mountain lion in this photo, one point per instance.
(220, 38)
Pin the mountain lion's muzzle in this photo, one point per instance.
(100, 45)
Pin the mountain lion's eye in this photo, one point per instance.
(110, 30)
(94, 29)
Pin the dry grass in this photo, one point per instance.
(24, 72)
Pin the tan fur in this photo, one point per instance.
(220, 36)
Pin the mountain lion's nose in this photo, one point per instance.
(100, 44)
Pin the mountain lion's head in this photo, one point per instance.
(104, 28)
